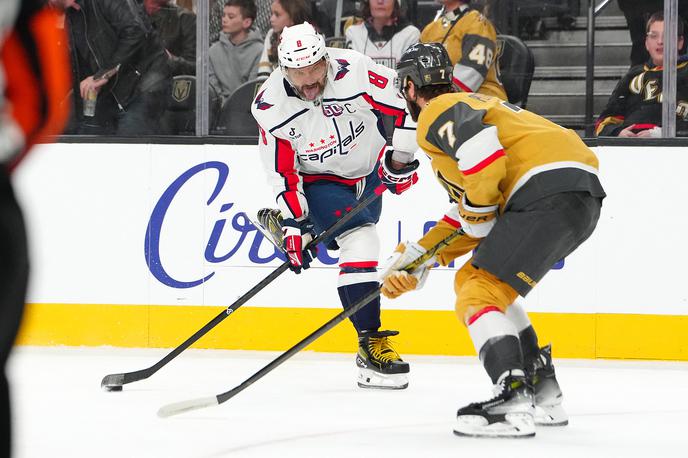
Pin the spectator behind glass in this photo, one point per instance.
(637, 13)
(116, 54)
(177, 31)
(234, 59)
(384, 34)
(635, 107)
(260, 23)
(471, 41)
(285, 13)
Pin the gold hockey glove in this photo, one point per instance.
(395, 280)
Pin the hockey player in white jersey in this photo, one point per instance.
(324, 149)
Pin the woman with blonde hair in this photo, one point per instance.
(284, 13)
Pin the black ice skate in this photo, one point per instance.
(379, 365)
(548, 395)
(508, 414)
(270, 224)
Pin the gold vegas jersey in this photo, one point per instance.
(499, 154)
(470, 39)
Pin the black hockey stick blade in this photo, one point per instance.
(200, 403)
(114, 382)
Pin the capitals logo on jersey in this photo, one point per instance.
(260, 104)
(342, 70)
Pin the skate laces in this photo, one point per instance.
(381, 349)
(512, 379)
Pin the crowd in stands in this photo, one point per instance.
(135, 60)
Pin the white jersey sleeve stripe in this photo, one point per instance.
(467, 78)
(474, 152)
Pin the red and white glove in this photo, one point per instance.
(476, 221)
(397, 180)
(297, 236)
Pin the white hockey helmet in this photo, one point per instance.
(300, 46)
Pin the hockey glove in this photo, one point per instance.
(395, 280)
(297, 235)
(476, 221)
(397, 180)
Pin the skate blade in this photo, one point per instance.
(370, 379)
(516, 426)
(551, 416)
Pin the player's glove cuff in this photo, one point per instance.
(397, 180)
(297, 236)
(477, 221)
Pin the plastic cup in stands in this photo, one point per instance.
(90, 103)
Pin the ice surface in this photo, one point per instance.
(311, 407)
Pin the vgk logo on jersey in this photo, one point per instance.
(346, 142)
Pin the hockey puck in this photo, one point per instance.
(113, 388)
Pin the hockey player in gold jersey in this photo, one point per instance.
(525, 192)
(471, 41)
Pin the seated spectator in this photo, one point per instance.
(260, 23)
(234, 58)
(635, 107)
(637, 12)
(285, 13)
(471, 41)
(176, 27)
(119, 65)
(384, 34)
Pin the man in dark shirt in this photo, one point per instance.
(635, 107)
(176, 28)
(118, 60)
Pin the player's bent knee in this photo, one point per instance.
(359, 244)
(481, 289)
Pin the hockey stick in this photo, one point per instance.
(114, 382)
(200, 403)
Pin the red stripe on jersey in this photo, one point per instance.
(387, 109)
(643, 126)
(462, 86)
(484, 163)
(482, 312)
(315, 177)
(382, 151)
(451, 221)
(284, 165)
(360, 265)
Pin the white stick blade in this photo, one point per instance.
(186, 406)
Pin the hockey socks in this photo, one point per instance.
(367, 318)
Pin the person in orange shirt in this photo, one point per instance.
(36, 79)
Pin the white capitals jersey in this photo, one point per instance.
(340, 139)
(385, 50)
